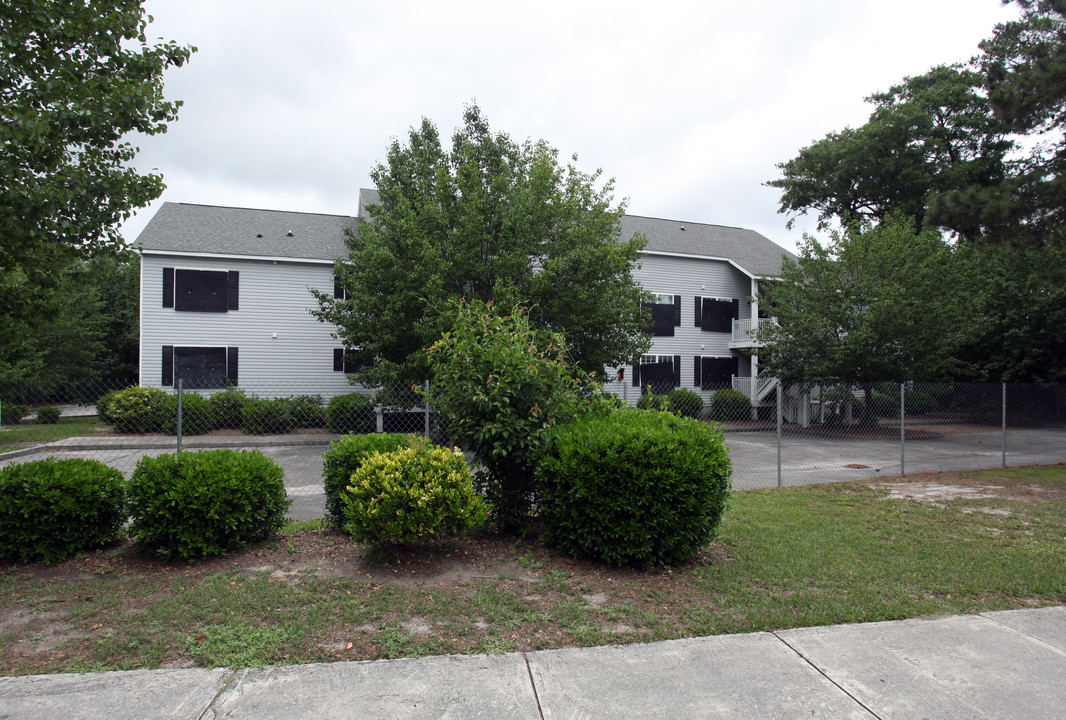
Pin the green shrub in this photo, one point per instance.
(47, 415)
(266, 417)
(352, 413)
(197, 415)
(883, 404)
(728, 404)
(12, 413)
(633, 488)
(650, 401)
(103, 406)
(191, 504)
(684, 402)
(344, 457)
(413, 494)
(503, 383)
(920, 403)
(397, 396)
(51, 509)
(305, 411)
(227, 407)
(138, 409)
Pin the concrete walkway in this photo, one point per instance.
(994, 665)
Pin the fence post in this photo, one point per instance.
(180, 387)
(1004, 407)
(902, 430)
(779, 434)
(425, 404)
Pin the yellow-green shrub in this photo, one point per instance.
(412, 494)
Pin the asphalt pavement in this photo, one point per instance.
(1009, 665)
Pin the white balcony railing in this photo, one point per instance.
(744, 332)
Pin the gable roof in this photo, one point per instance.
(750, 251)
(214, 230)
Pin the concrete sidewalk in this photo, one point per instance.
(994, 665)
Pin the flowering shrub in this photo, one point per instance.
(344, 457)
(411, 495)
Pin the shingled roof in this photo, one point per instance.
(229, 231)
(754, 253)
(209, 229)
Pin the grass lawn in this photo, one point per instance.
(13, 437)
(854, 552)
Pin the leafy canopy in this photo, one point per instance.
(871, 305)
(503, 383)
(75, 78)
(491, 220)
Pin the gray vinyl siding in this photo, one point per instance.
(274, 299)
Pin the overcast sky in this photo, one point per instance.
(688, 105)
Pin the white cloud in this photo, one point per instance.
(688, 104)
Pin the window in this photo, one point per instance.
(339, 293)
(715, 373)
(201, 290)
(665, 315)
(346, 361)
(660, 372)
(199, 367)
(717, 314)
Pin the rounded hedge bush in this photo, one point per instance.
(197, 415)
(227, 407)
(52, 509)
(306, 411)
(920, 403)
(633, 488)
(684, 402)
(137, 409)
(47, 415)
(413, 494)
(346, 456)
(650, 401)
(266, 417)
(351, 413)
(103, 406)
(12, 413)
(192, 504)
(728, 404)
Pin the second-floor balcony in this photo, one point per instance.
(744, 332)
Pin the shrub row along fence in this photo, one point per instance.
(788, 436)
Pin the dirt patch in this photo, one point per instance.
(941, 487)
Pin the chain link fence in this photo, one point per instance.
(787, 436)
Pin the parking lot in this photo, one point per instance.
(805, 456)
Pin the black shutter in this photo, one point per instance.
(736, 366)
(698, 314)
(233, 290)
(231, 365)
(735, 314)
(677, 363)
(168, 287)
(677, 310)
(663, 320)
(168, 364)
(696, 366)
(636, 373)
(338, 360)
(338, 289)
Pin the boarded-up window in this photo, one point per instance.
(661, 373)
(665, 315)
(199, 367)
(201, 290)
(716, 314)
(346, 361)
(715, 373)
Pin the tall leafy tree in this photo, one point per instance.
(932, 149)
(873, 304)
(1024, 64)
(492, 220)
(76, 77)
